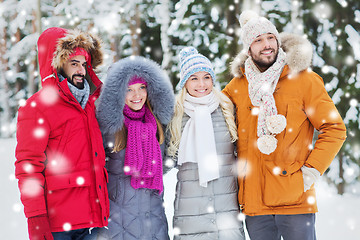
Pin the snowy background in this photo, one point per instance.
(159, 29)
(338, 217)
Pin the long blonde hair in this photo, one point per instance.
(175, 125)
(121, 135)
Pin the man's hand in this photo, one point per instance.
(39, 228)
(310, 176)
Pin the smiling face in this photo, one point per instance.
(264, 50)
(136, 96)
(199, 84)
(75, 70)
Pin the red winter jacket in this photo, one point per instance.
(60, 156)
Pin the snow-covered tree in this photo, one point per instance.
(333, 27)
(18, 56)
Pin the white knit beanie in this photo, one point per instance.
(191, 61)
(252, 26)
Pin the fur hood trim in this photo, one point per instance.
(112, 99)
(298, 51)
(74, 39)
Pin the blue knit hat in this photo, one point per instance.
(191, 61)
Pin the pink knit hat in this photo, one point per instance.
(80, 51)
(136, 79)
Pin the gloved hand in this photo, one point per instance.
(310, 176)
(39, 228)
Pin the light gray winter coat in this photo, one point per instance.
(210, 213)
(134, 213)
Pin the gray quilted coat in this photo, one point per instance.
(134, 213)
(213, 212)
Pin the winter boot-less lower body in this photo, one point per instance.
(79, 234)
(273, 227)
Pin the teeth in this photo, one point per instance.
(136, 101)
(201, 91)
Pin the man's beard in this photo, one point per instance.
(79, 85)
(262, 64)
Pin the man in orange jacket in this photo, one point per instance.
(279, 102)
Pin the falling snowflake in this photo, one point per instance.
(311, 200)
(28, 168)
(58, 163)
(126, 169)
(49, 96)
(210, 209)
(353, 102)
(67, 227)
(255, 111)
(39, 132)
(17, 207)
(334, 115)
(110, 144)
(276, 170)
(31, 188)
(241, 217)
(80, 181)
(22, 102)
(169, 163)
(176, 231)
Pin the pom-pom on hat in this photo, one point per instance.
(252, 26)
(191, 61)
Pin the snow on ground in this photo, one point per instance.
(338, 217)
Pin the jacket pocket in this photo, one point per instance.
(68, 198)
(282, 189)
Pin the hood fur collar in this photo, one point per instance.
(74, 39)
(112, 99)
(298, 51)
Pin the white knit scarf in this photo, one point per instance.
(197, 142)
(261, 89)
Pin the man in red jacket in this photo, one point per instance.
(60, 156)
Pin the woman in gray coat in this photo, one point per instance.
(135, 105)
(202, 135)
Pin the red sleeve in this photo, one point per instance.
(32, 138)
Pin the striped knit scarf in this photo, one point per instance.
(143, 160)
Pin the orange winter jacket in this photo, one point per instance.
(273, 184)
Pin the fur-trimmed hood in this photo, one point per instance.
(56, 44)
(112, 99)
(298, 51)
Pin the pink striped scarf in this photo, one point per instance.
(143, 160)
